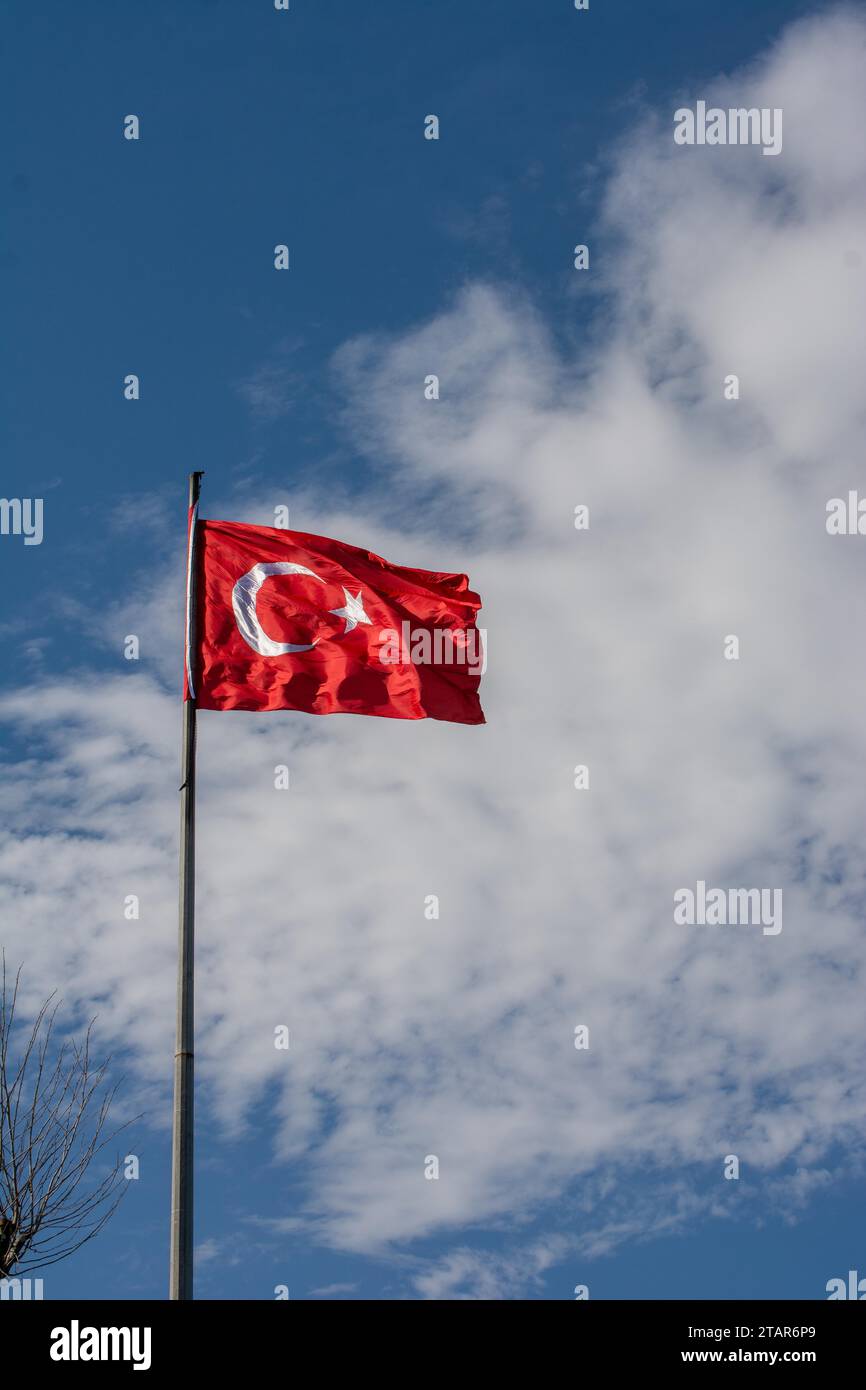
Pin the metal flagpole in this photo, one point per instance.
(182, 1119)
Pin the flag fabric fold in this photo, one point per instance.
(287, 620)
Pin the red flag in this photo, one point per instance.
(287, 620)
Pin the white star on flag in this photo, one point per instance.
(353, 611)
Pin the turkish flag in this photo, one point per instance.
(285, 620)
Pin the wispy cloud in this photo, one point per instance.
(272, 389)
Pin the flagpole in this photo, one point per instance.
(181, 1272)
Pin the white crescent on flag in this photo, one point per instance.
(244, 596)
(245, 593)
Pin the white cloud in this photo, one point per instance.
(455, 1037)
(465, 1274)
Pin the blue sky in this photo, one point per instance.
(156, 257)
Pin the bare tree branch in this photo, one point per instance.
(55, 1107)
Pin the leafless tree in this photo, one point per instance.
(54, 1114)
